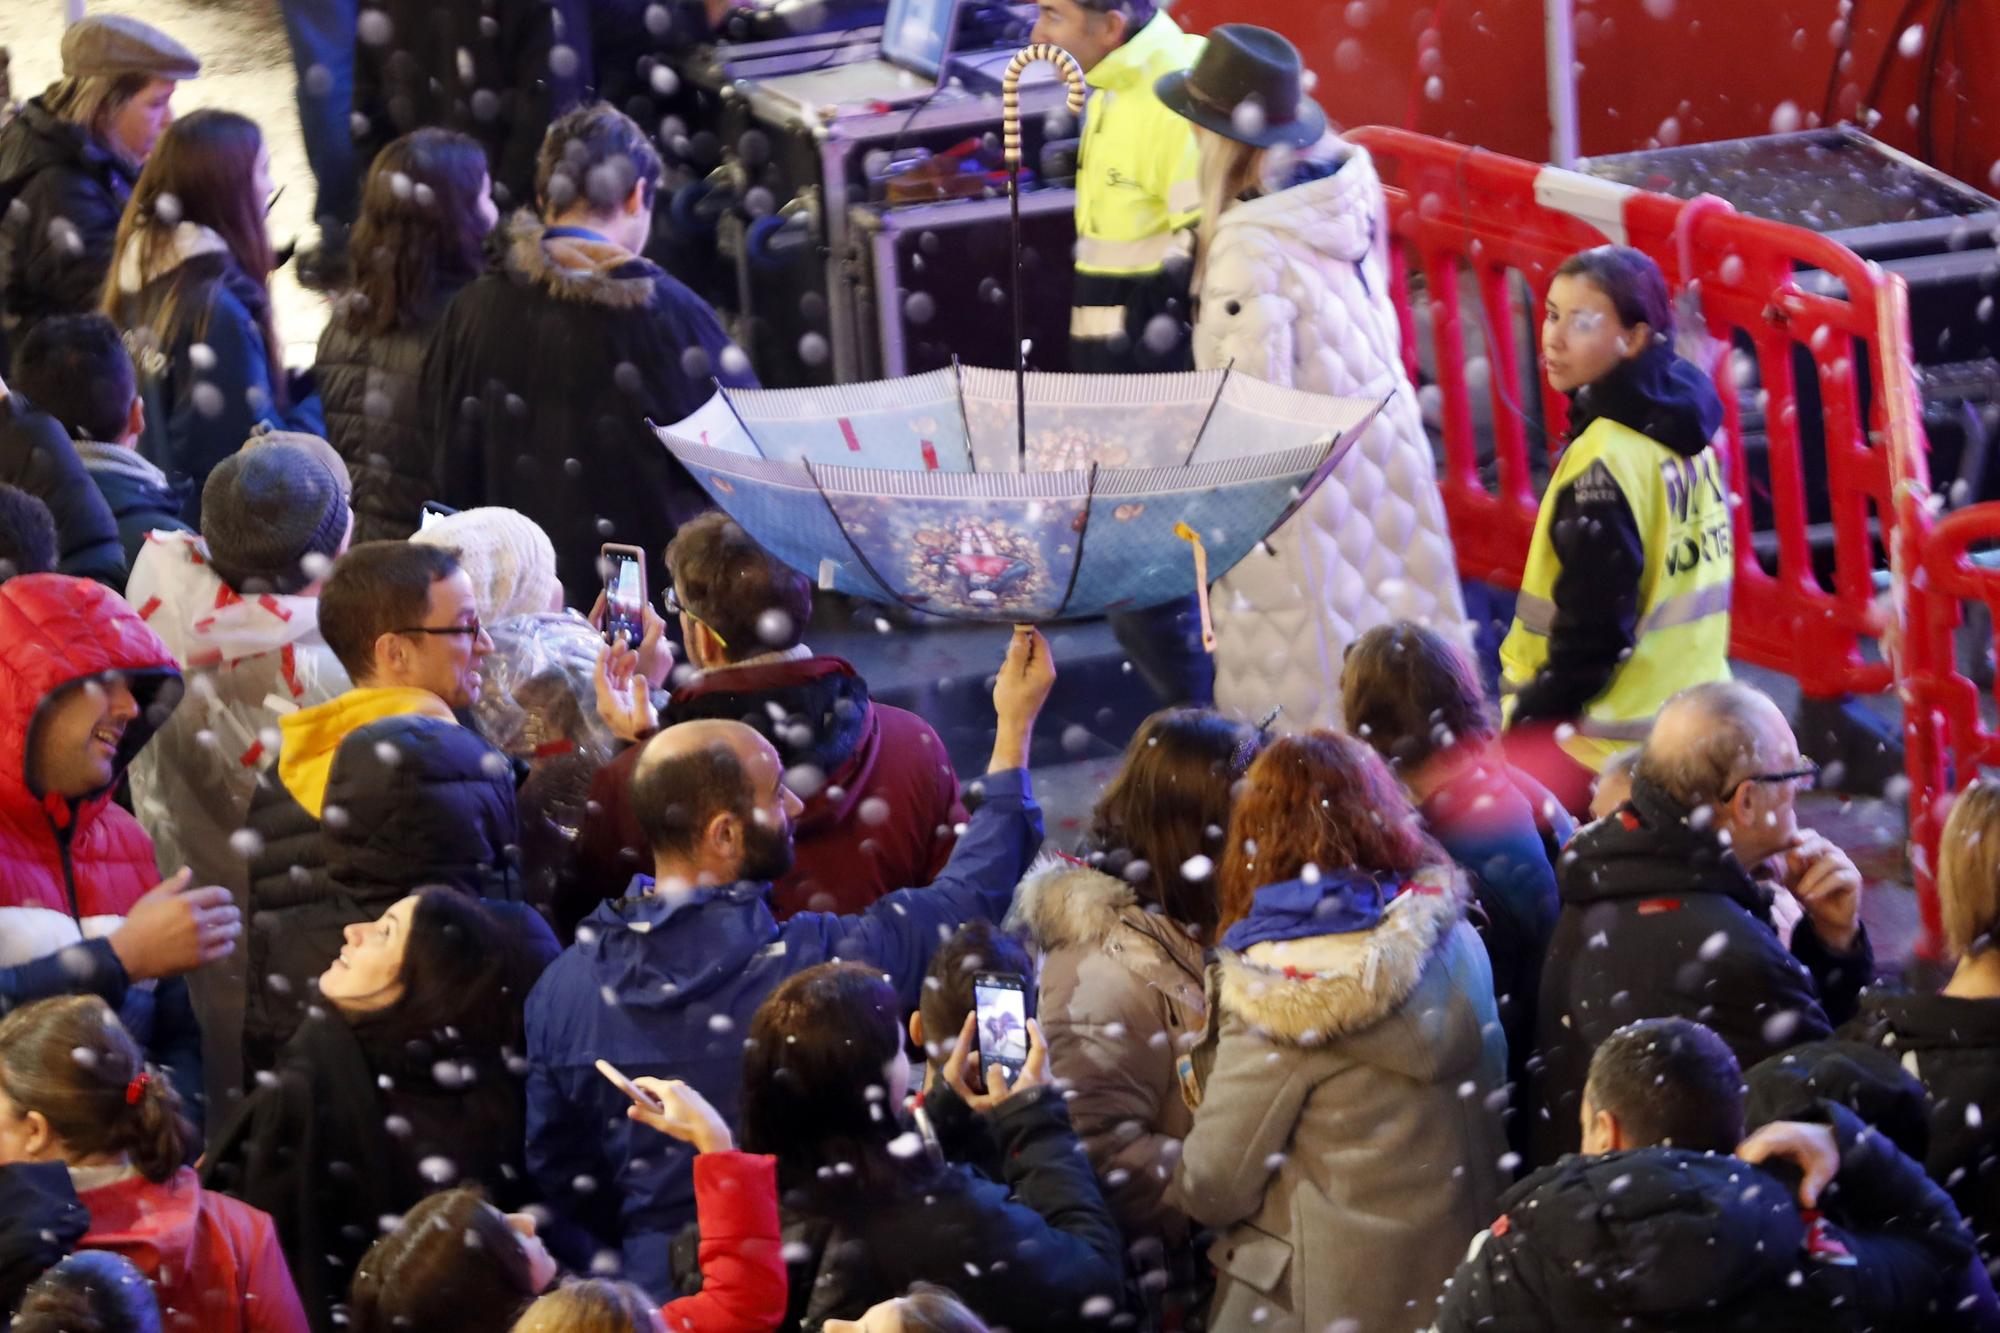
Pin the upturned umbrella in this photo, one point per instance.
(918, 491)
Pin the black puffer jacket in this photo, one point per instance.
(37, 456)
(368, 385)
(1659, 919)
(1658, 1239)
(61, 193)
(1038, 1251)
(1953, 1047)
(411, 801)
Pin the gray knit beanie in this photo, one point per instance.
(264, 511)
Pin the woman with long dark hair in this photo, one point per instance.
(190, 288)
(68, 162)
(74, 1088)
(1121, 976)
(1347, 1140)
(400, 1085)
(426, 209)
(867, 1210)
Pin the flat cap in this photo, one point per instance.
(112, 44)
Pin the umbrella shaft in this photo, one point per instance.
(1020, 339)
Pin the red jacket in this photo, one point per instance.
(743, 1286)
(214, 1261)
(882, 817)
(85, 858)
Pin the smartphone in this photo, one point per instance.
(1000, 1002)
(431, 513)
(624, 571)
(645, 1100)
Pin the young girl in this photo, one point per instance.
(1625, 598)
(426, 209)
(74, 1089)
(190, 287)
(1348, 1139)
(1292, 281)
(867, 1212)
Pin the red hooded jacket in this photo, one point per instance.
(89, 857)
(214, 1261)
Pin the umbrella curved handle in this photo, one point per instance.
(1010, 90)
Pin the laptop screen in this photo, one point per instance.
(916, 34)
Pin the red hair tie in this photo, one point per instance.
(136, 1088)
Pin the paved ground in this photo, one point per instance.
(246, 67)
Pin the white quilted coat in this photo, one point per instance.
(1295, 292)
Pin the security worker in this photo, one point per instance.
(1625, 598)
(1137, 198)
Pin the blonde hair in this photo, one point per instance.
(91, 100)
(592, 1306)
(1228, 168)
(1969, 869)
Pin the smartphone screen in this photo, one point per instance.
(624, 571)
(1001, 1005)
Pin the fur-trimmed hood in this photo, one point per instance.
(585, 269)
(1314, 990)
(1064, 904)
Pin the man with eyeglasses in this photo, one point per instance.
(403, 620)
(1668, 903)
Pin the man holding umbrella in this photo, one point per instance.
(1137, 202)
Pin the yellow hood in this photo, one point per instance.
(313, 735)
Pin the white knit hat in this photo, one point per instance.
(510, 559)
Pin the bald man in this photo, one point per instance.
(1667, 905)
(664, 981)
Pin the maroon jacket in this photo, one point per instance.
(882, 819)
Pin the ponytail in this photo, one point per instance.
(71, 1060)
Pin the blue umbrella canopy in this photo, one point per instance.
(916, 490)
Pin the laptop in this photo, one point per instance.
(917, 37)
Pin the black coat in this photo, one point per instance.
(541, 380)
(422, 802)
(352, 1129)
(40, 1222)
(139, 497)
(37, 456)
(1658, 1239)
(1659, 919)
(368, 385)
(498, 70)
(1047, 1252)
(61, 194)
(1953, 1047)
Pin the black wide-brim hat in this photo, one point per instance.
(1246, 66)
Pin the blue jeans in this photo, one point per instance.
(1164, 645)
(321, 33)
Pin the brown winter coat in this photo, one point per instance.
(1120, 1001)
(1348, 1141)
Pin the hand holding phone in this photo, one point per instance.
(640, 1097)
(686, 1115)
(984, 1087)
(624, 571)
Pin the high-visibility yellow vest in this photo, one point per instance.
(1137, 177)
(1681, 506)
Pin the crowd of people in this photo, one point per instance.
(383, 946)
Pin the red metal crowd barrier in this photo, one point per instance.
(1463, 216)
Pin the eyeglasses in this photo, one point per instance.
(1808, 775)
(672, 602)
(472, 631)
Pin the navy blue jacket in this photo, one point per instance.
(667, 989)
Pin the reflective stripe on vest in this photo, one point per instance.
(1681, 637)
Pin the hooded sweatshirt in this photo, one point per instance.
(1348, 1139)
(1295, 292)
(214, 1262)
